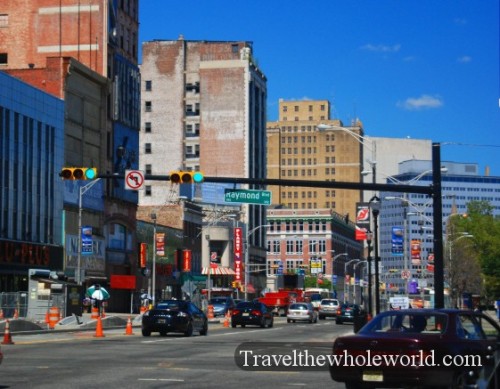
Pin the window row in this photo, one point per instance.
(297, 119)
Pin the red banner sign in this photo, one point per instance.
(143, 255)
(186, 260)
(238, 252)
(160, 244)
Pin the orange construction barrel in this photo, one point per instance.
(210, 314)
(53, 317)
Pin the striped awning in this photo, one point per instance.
(219, 271)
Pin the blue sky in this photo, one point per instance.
(423, 69)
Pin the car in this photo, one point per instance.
(301, 312)
(252, 313)
(222, 305)
(346, 313)
(445, 348)
(328, 308)
(174, 316)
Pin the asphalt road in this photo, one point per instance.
(82, 360)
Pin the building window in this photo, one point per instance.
(322, 107)
(147, 191)
(4, 20)
(3, 58)
(147, 127)
(234, 48)
(285, 108)
(148, 106)
(296, 108)
(149, 169)
(149, 85)
(147, 148)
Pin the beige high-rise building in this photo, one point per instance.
(297, 149)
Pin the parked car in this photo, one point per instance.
(328, 308)
(419, 347)
(174, 316)
(347, 313)
(222, 305)
(302, 312)
(252, 313)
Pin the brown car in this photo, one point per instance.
(448, 348)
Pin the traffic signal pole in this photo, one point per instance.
(433, 190)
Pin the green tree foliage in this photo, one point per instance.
(485, 228)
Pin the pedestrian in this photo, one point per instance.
(498, 309)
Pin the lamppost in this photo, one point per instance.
(375, 207)
(247, 255)
(354, 274)
(369, 236)
(83, 189)
(153, 270)
(333, 264)
(346, 286)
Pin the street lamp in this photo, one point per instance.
(375, 207)
(153, 270)
(369, 237)
(354, 274)
(333, 262)
(247, 255)
(83, 189)
(346, 286)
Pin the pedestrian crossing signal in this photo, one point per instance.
(186, 177)
(78, 173)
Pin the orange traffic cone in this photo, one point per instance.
(7, 338)
(128, 329)
(98, 329)
(16, 314)
(1, 314)
(95, 313)
(226, 320)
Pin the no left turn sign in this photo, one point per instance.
(134, 179)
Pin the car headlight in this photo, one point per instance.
(182, 314)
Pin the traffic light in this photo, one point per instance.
(78, 173)
(186, 177)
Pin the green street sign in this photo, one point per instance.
(247, 196)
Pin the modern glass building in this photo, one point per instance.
(406, 219)
(31, 192)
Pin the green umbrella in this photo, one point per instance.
(97, 292)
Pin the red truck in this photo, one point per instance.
(279, 301)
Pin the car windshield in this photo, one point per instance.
(245, 304)
(300, 307)
(329, 302)
(218, 301)
(174, 304)
(405, 322)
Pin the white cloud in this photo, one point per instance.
(381, 48)
(420, 103)
(464, 59)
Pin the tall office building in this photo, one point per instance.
(406, 220)
(306, 144)
(101, 128)
(203, 108)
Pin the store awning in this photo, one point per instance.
(219, 271)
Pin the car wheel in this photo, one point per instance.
(459, 381)
(189, 330)
(146, 333)
(288, 321)
(163, 333)
(337, 321)
(321, 317)
(233, 325)
(243, 326)
(271, 323)
(204, 330)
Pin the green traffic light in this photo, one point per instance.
(90, 173)
(198, 177)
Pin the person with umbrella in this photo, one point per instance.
(98, 294)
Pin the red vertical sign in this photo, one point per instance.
(143, 255)
(186, 260)
(238, 251)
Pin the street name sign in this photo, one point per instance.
(262, 197)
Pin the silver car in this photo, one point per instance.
(328, 308)
(302, 312)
